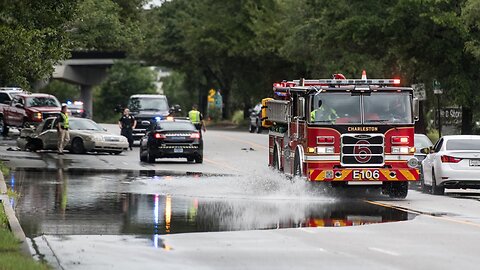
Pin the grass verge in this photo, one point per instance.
(4, 169)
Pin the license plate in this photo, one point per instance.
(178, 150)
(474, 162)
(365, 174)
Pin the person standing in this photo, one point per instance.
(196, 118)
(62, 127)
(127, 123)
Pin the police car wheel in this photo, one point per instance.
(199, 159)
(143, 157)
(150, 157)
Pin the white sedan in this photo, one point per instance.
(453, 162)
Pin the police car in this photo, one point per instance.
(172, 138)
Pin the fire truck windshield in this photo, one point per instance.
(345, 108)
(335, 108)
(387, 108)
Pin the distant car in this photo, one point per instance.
(76, 109)
(27, 109)
(85, 136)
(421, 142)
(7, 94)
(172, 139)
(256, 119)
(453, 162)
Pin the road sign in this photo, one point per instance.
(437, 91)
(419, 91)
(437, 88)
(451, 116)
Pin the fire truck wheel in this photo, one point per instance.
(398, 190)
(297, 169)
(275, 164)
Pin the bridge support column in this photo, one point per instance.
(86, 94)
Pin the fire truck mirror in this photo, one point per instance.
(416, 109)
(301, 107)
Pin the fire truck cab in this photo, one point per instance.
(345, 132)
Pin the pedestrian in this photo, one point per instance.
(62, 128)
(127, 123)
(196, 118)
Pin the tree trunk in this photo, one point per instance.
(226, 103)
(467, 121)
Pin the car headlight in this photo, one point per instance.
(97, 138)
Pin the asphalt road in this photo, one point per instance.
(442, 232)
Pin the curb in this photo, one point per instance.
(12, 219)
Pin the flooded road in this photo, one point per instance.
(58, 203)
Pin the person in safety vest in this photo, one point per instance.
(196, 118)
(127, 123)
(62, 127)
(323, 113)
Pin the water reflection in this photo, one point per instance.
(62, 203)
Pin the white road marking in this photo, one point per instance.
(384, 251)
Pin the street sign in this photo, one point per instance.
(451, 116)
(437, 88)
(419, 91)
(437, 91)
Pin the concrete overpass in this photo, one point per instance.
(86, 69)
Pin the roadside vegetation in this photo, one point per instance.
(241, 47)
(11, 257)
(4, 169)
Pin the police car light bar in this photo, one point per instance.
(349, 82)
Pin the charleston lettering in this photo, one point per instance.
(363, 129)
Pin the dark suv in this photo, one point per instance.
(147, 109)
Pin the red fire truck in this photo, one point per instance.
(344, 131)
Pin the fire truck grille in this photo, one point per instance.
(362, 150)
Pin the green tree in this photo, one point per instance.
(103, 25)
(62, 90)
(33, 39)
(220, 45)
(124, 79)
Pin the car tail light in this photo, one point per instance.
(159, 136)
(400, 140)
(449, 159)
(325, 139)
(195, 135)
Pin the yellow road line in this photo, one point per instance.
(465, 222)
(221, 164)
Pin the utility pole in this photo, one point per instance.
(437, 91)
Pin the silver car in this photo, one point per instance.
(453, 162)
(85, 136)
